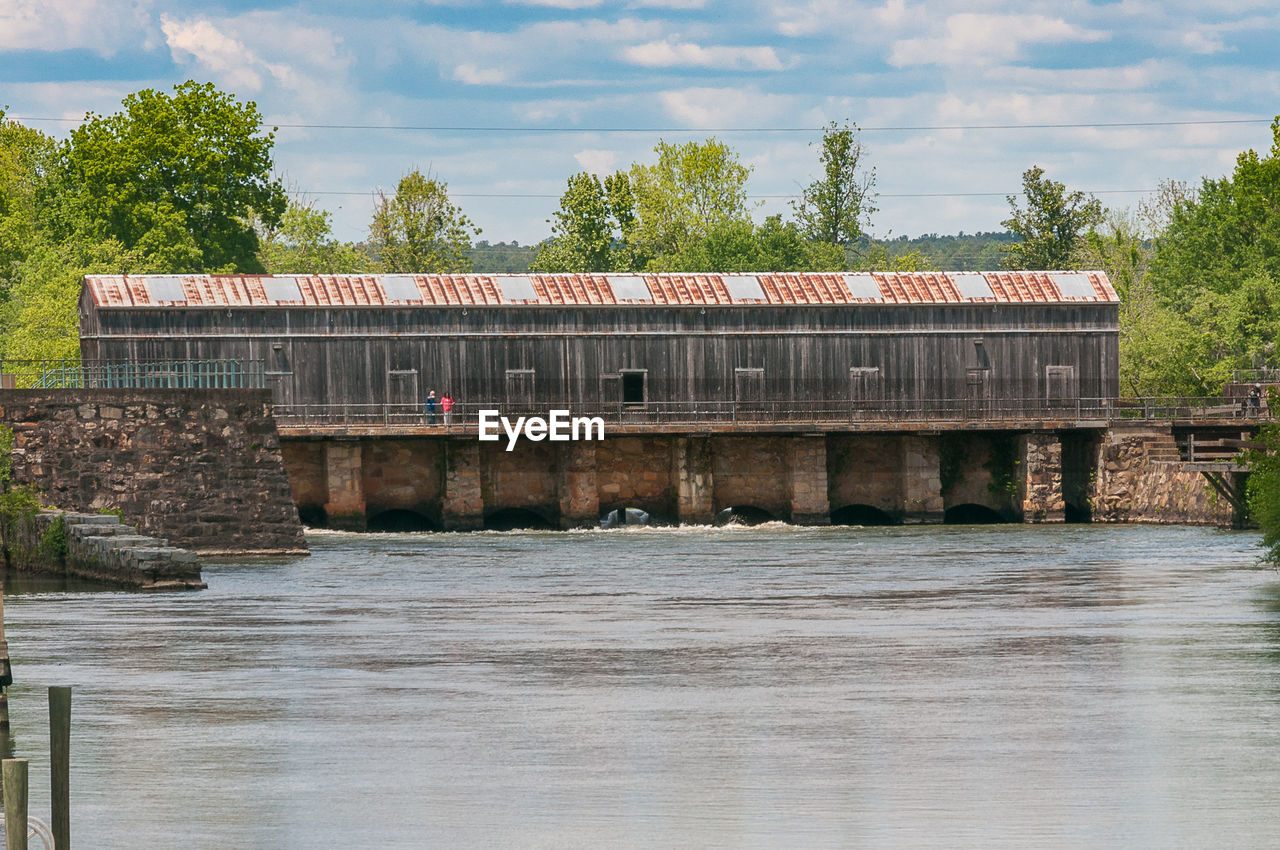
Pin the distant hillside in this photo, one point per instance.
(502, 257)
(962, 252)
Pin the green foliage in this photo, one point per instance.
(738, 246)
(1215, 273)
(961, 252)
(17, 502)
(501, 257)
(694, 188)
(419, 229)
(26, 157)
(1263, 488)
(1228, 232)
(53, 541)
(6, 457)
(592, 229)
(174, 177)
(1051, 226)
(835, 208)
(303, 243)
(1003, 462)
(876, 256)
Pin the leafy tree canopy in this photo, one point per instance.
(303, 243)
(835, 208)
(593, 228)
(1051, 226)
(176, 177)
(26, 156)
(1225, 233)
(693, 188)
(419, 229)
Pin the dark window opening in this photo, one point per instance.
(633, 388)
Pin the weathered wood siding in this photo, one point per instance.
(690, 353)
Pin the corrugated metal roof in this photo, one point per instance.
(586, 289)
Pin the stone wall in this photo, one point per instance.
(202, 468)
(1139, 479)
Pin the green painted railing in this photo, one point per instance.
(132, 374)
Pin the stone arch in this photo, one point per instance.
(630, 515)
(971, 513)
(512, 519)
(862, 515)
(399, 519)
(744, 515)
(312, 516)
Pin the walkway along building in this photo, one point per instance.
(895, 397)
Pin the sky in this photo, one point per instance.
(505, 99)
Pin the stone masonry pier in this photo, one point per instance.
(458, 483)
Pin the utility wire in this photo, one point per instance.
(763, 197)
(498, 128)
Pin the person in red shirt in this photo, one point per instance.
(446, 405)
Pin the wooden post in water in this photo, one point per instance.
(6, 673)
(14, 775)
(60, 765)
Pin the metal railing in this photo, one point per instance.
(132, 374)
(465, 417)
(1265, 375)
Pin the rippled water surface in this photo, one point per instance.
(770, 687)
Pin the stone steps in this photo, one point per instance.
(101, 547)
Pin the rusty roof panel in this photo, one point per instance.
(122, 291)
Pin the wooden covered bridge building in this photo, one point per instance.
(807, 397)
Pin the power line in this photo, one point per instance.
(763, 197)
(500, 128)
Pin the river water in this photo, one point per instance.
(1078, 686)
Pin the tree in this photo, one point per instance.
(1225, 233)
(26, 157)
(836, 208)
(1155, 340)
(175, 176)
(1051, 226)
(693, 188)
(1263, 486)
(303, 243)
(592, 228)
(419, 229)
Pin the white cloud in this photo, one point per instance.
(229, 59)
(666, 54)
(1203, 43)
(102, 26)
(724, 107)
(302, 65)
(845, 19)
(475, 76)
(557, 4)
(667, 4)
(597, 161)
(980, 39)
